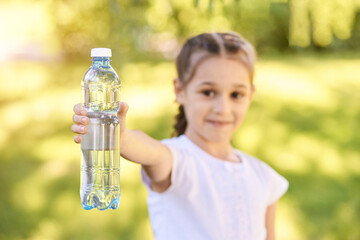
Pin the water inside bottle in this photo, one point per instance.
(101, 97)
(100, 165)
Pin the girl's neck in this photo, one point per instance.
(220, 150)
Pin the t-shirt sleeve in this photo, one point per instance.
(278, 186)
(178, 168)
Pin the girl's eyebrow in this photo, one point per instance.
(240, 86)
(213, 84)
(206, 83)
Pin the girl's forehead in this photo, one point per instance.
(221, 69)
(206, 60)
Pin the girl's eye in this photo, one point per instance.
(208, 93)
(237, 95)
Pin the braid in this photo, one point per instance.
(181, 123)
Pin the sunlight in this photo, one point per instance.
(28, 36)
(345, 18)
(57, 148)
(294, 85)
(299, 32)
(15, 119)
(322, 23)
(285, 158)
(45, 107)
(155, 95)
(248, 138)
(21, 80)
(317, 153)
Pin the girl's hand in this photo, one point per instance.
(123, 109)
(80, 121)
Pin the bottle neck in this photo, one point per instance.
(101, 61)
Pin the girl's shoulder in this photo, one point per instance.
(260, 167)
(266, 174)
(172, 140)
(178, 143)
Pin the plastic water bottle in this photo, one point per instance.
(100, 146)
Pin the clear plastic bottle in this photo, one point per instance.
(100, 146)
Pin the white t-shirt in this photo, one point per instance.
(211, 198)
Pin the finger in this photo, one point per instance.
(123, 109)
(79, 119)
(77, 139)
(79, 109)
(79, 129)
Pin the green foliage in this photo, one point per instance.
(134, 28)
(303, 120)
(307, 22)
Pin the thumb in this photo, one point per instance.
(123, 109)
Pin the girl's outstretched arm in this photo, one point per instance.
(135, 146)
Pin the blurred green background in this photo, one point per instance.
(304, 120)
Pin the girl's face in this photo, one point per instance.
(216, 99)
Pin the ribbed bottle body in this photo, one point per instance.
(100, 146)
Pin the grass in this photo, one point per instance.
(304, 122)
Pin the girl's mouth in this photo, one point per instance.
(218, 124)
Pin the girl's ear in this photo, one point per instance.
(179, 91)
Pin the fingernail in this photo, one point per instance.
(83, 120)
(83, 112)
(82, 129)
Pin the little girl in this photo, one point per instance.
(199, 186)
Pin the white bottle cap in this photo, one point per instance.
(101, 52)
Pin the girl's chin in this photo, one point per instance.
(211, 135)
(217, 137)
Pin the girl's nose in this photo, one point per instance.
(221, 105)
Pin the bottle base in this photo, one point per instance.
(113, 205)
